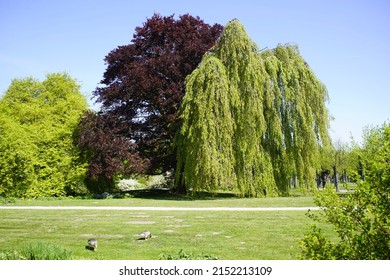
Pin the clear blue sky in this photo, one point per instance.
(346, 43)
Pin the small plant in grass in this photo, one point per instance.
(6, 200)
(38, 251)
(181, 255)
(45, 251)
(11, 255)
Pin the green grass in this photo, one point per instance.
(226, 235)
(45, 251)
(163, 198)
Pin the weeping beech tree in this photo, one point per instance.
(252, 121)
(297, 117)
(207, 129)
(246, 77)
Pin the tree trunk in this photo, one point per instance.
(180, 188)
(318, 180)
(335, 177)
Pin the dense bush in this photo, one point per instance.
(361, 220)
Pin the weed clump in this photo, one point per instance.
(181, 255)
(38, 251)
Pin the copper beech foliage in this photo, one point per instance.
(107, 151)
(141, 93)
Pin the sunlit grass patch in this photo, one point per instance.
(222, 234)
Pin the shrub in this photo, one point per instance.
(315, 246)
(6, 200)
(362, 219)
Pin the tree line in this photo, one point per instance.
(201, 101)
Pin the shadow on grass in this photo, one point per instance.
(166, 194)
(151, 194)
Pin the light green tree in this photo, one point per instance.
(247, 78)
(336, 160)
(37, 122)
(277, 119)
(205, 136)
(297, 116)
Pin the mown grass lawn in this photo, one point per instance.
(164, 199)
(228, 235)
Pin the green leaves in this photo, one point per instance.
(272, 124)
(299, 118)
(361, 220)
(37, 121)
(143, 87)
(205, 136)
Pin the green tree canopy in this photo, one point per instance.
(37, 152)
(298, 120)
(278, 118)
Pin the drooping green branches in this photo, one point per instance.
(247, 78)
(205, 136)
(276, 107)
(298, 116)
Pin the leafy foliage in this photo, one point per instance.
(37, 153)
(246, 82)
(362, 219)
(206, 131)
(142, 90)
(108, 153)
(273, 120)
(297, 117)
(337, 158)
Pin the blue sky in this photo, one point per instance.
(346, 43)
